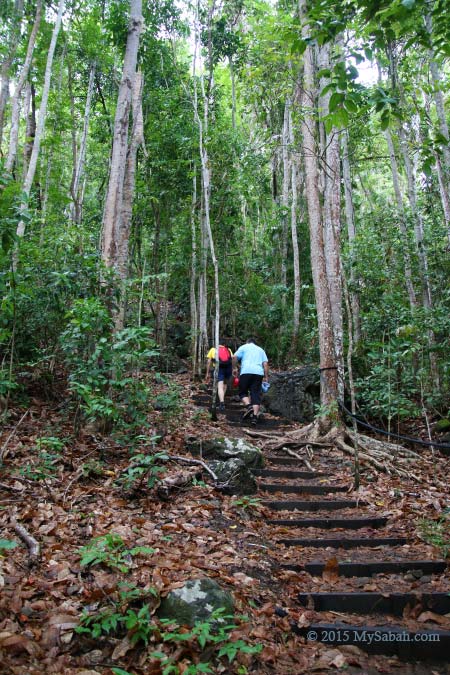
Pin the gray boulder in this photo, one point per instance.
(293, 394)
(237, 476)
(195, 601)
(225, 449)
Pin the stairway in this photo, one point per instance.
(323, 535)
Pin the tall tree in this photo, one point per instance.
(5, 68)
(15, 103)
(328, 364)
(28, 182)
(113, 211)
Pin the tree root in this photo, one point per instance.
(380, 455)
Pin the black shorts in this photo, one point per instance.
(225, 372)
(251, 383)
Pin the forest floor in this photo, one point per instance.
(64, 490)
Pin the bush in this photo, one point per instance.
(104, 366)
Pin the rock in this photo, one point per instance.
(225, 449)
(195, 601)
(234, 472)
(293, 394)
(94, 657)
(426, 579)
(442, 425)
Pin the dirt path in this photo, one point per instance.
(265, 550)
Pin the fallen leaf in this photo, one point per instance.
(331, 570)
(436, 618)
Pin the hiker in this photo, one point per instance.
(254, 370)
(225, 371)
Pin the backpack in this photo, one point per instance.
(224, 356)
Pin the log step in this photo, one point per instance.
(329, 505)
(432, 645)
(345, 543)
(330, 523)
(284, 461)
(309, 489)
(367, 568)
(375, 603)
(288, 473)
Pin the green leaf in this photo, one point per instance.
(350, 105)
(7, 544)
(384, 121)
(335, 100)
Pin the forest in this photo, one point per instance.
(180, 174)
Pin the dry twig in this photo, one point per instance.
(33, 545)
(188, 460)
(3, 451)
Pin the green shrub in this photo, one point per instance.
(104, 366)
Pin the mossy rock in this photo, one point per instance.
(237, 477)
(442, 425)
(224, 449)
(195, 602)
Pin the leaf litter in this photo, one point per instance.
(197, 532)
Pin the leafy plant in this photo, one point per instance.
(143, 470)
(110, 550)
(168, 401)
(212, 636)
(104, 366)
(247, 503)
(44, 466)
(93, 467)
(7, 545)
(437, 532)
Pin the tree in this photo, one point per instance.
(114, 241)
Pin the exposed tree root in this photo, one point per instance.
(381, 455)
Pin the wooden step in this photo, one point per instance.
(284, 461)
(331, 523)
(345, 543)
(369, 567)
(288, 473)
(375, 603)
(326, 505)
(430, 645)
(305, 489)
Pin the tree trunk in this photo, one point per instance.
(206, 188)
(295, 256)
(193, 283)
(427, 301)
(123, 234)
(76, 209)
(439, 102)
(41, 119)
(331, 177)
(328, 366)
(351, 231)
(8, 61)
(233, 94)
(285, 138)
(113, 203)
(401, 221)
(29, 113)
(15, 103)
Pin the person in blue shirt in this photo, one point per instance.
(254, 369)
